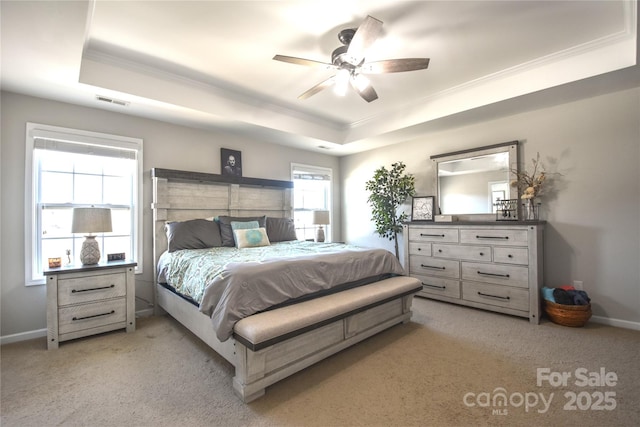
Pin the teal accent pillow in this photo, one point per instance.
(227, 232)
(251, 237)
(244, 225)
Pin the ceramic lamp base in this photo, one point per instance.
(320, 234)
(90, 252)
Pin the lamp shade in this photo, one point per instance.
(320, 217)
(91, 220)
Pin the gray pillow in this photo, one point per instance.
(281, 229)
(193, 234)
(227, 232)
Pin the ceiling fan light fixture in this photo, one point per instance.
(342, 82)
(361, 82)
(349, 62)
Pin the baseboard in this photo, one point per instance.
(146, 312)
(39, 333)
(23, 336)
(616, 322)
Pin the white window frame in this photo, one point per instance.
(320, 171)
(33, 271)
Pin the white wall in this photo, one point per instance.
(166, 145)
(593, 208)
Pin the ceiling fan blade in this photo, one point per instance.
(365, 35)
(362, 85)
(302, 61)
(395, 65)
(319, 87)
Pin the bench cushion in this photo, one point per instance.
(262, 329)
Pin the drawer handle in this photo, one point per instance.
(493, 237)
(509, 256)
(493, 296)
(433, 286)
(95, 315)
(506, 276)
(431, 235)
(431, 266)
(75, 291)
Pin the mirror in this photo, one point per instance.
(469, 182)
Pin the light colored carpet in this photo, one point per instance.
(416, 374)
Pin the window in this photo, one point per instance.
(68, 168)
(311, 191)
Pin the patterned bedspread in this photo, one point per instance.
(231, 283)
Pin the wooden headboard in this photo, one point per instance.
(182, 195)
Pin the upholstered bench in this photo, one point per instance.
(272, 345)
(264, 329)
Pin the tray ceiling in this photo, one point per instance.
(209, 63)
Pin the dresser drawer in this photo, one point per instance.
(497, 237)
(463, 252)
(75, 290)
(511, 255)
(422, 265)
(92, 315)
(439, 286)
(435, 234)
(509, 275)
(416, 248)
(501, 296)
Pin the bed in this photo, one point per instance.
(273, 306)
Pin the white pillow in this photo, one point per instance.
(251, 238)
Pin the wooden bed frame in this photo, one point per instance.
(180, 196)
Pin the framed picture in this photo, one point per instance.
(230, 162)
(422, 208)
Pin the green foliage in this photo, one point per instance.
(388, 190)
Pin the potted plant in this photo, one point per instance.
(388, 190)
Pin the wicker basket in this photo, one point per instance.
(568, 315)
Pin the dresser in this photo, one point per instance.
(89, 300)
(495, 266)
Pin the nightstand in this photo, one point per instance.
(89, 299)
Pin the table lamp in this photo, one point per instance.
(320, 218)
(91, 220)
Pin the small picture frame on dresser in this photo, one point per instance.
(422, 208)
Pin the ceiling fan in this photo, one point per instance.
(349, 62)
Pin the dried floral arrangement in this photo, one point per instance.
(530, 184)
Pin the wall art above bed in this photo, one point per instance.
(231, 162)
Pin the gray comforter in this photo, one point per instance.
(241, 289)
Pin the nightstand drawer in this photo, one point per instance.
(76, 290)
(93, 315)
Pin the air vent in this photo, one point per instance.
(112, 101)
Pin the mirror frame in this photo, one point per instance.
(511, 147)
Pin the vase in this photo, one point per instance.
(531, 210)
